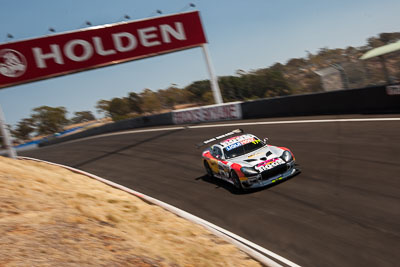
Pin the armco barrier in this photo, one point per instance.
(145, 121)
(371, 100)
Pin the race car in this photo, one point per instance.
(246, 161)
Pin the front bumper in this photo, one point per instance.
(258, 181)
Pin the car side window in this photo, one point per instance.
(217, 152)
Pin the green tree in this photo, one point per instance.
(150, 101)
(374, 42)
(49, 120)
(135, 102)
(389, 37)
(232, 87)
(268, 83)
(82, 116)
(197, 90)
(103, 107)
(119, 108)
(172, 96)
(24, 129)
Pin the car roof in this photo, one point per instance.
(235, 139)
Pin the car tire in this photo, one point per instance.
(208, 170)
(236, 181)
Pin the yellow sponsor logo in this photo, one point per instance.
(252, 156)
(277, 179)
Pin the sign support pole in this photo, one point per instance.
(213, 78)
(6, 136)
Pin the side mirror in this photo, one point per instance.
(218, 156)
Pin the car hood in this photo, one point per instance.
(258, 156)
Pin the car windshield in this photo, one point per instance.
(243, 149)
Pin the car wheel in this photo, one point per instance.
(236, 181)
(208, 169)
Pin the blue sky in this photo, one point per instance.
(242, 35)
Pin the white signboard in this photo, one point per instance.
(221, 112)
(393, 90)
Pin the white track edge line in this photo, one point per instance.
(244, 245)
(294, 122)
(232, 124)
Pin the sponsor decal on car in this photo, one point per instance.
(269, 164)
(277, 179)
(246, 141)
(243, 139)
(235, 145)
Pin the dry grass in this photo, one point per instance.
(50, 216)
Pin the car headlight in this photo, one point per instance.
(287, 156)
(249, 171)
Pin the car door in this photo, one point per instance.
(216, 155)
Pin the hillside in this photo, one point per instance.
(50, 216)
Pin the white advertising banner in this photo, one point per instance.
(393, 89)
(218, 112)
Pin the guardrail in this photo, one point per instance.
(371, 100)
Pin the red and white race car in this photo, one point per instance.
(246, 161)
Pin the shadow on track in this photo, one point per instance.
(232, 189)
(126, 147)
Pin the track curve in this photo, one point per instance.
(343, 210)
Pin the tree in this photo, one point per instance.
(119, 108)
(172, 96)
(82, 116)
(231, 87)
(389, 37)
(197, 90)
(24, 129)
(374, 42)
(135, 102)
(103, 106)
(151, 102)
(49, 120)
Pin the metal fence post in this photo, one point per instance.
(6, 136)
(213, 78)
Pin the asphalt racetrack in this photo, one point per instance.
(342, 210)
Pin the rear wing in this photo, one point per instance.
(237, 131)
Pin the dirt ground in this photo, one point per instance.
(50, 216)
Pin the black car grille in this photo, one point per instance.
(273, 172)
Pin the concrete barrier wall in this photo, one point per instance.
(372, 100)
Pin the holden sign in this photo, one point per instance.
(12, 63)
(64, 53)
